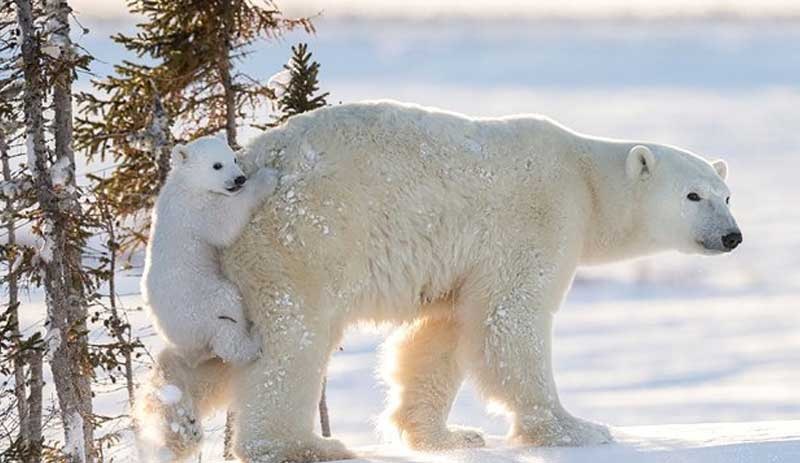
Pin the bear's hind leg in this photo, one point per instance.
(276, 397)
(425, 376)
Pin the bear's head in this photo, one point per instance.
(208, 164)
(685, 203)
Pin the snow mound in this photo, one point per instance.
(757, 442)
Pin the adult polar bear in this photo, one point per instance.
(468, 232)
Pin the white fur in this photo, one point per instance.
(468, 232)
(193, 306)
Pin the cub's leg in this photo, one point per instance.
(425, 376)
(172, 403)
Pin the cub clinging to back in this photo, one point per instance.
(202, 207)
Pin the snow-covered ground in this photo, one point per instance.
(773, 441)
(668, 339)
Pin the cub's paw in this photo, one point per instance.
(167, 425)
(265, 180)
(182, 429)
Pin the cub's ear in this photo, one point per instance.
(640, 162)
(179, 154)
(721, 167)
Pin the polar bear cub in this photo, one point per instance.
(203, 206)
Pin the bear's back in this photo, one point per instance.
(384, 133)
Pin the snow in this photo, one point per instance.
(74, 444)
(30, 151)
(169, 394)
(278, 82)
(18, 260)
(45, 249)
(60, 172)
(58, 38)
(10, 189)
(776, 441)
(53, 341)
(53, 51)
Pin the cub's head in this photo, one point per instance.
(208, 164)
(685, 201)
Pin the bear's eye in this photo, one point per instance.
(693, 197)
(728, 200)
(217, 165)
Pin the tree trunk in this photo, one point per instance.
(160, 137)
(224, 68)
(60, 257)
(123, 338)
(75, 308)
(34, 424)
(227, 452)
(19, 362)
(324, 419)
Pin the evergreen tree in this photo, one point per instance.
(20, 355)
(299, 93)
(49, 63)
(193, 83)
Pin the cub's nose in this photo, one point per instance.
(239, 181)
(731, 240)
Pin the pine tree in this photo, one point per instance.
(49, 63)
(20, 356)
(298, 94)
(193, 84)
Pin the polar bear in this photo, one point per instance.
(205, 203)
(466, 233)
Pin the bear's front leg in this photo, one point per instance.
(276, 397)
(511, 358)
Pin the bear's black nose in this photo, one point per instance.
(731, 240)
(240, 180)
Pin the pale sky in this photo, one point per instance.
(414, 9)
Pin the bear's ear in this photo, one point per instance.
(179, 154)
(640, 162)
(721, 167)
